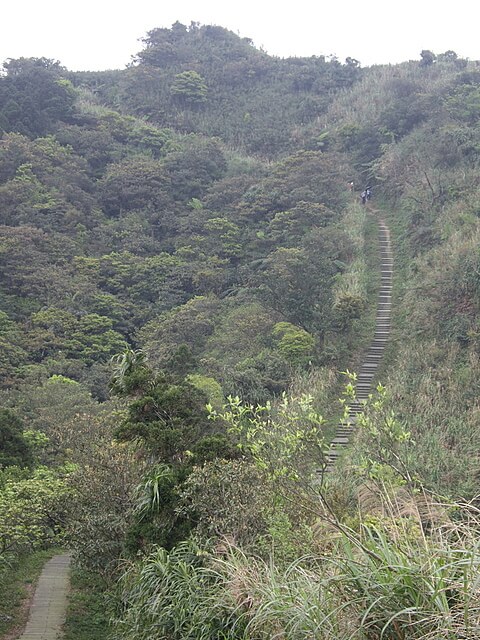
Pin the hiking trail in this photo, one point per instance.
(373, 357)
(49, 607)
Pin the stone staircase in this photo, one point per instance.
(368, 370)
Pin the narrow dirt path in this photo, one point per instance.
(374, 355)
(49, 606)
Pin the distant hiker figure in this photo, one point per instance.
(363, 197)
(368, 193)
(351, 186)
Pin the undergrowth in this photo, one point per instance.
(87, 616)
(390, 575)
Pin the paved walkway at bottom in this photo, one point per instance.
(49, 607)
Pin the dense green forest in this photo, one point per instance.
(187, 280)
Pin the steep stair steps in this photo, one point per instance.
(368, 369)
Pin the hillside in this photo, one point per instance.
(185, 274)
(206, 80)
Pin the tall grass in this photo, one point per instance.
(398, 577)
(355, 290)
(353, 281)
(367, 99)
(172, 595)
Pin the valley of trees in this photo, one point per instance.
(186, 282)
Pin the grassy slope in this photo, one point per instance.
(87, 618)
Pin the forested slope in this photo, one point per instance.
(207, 80)
(182, 234)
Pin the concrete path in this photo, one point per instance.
(49, 607)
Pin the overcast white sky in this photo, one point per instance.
(104, 34)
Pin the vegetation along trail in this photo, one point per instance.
(374, 355)
(48, 610)
(185, 269)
